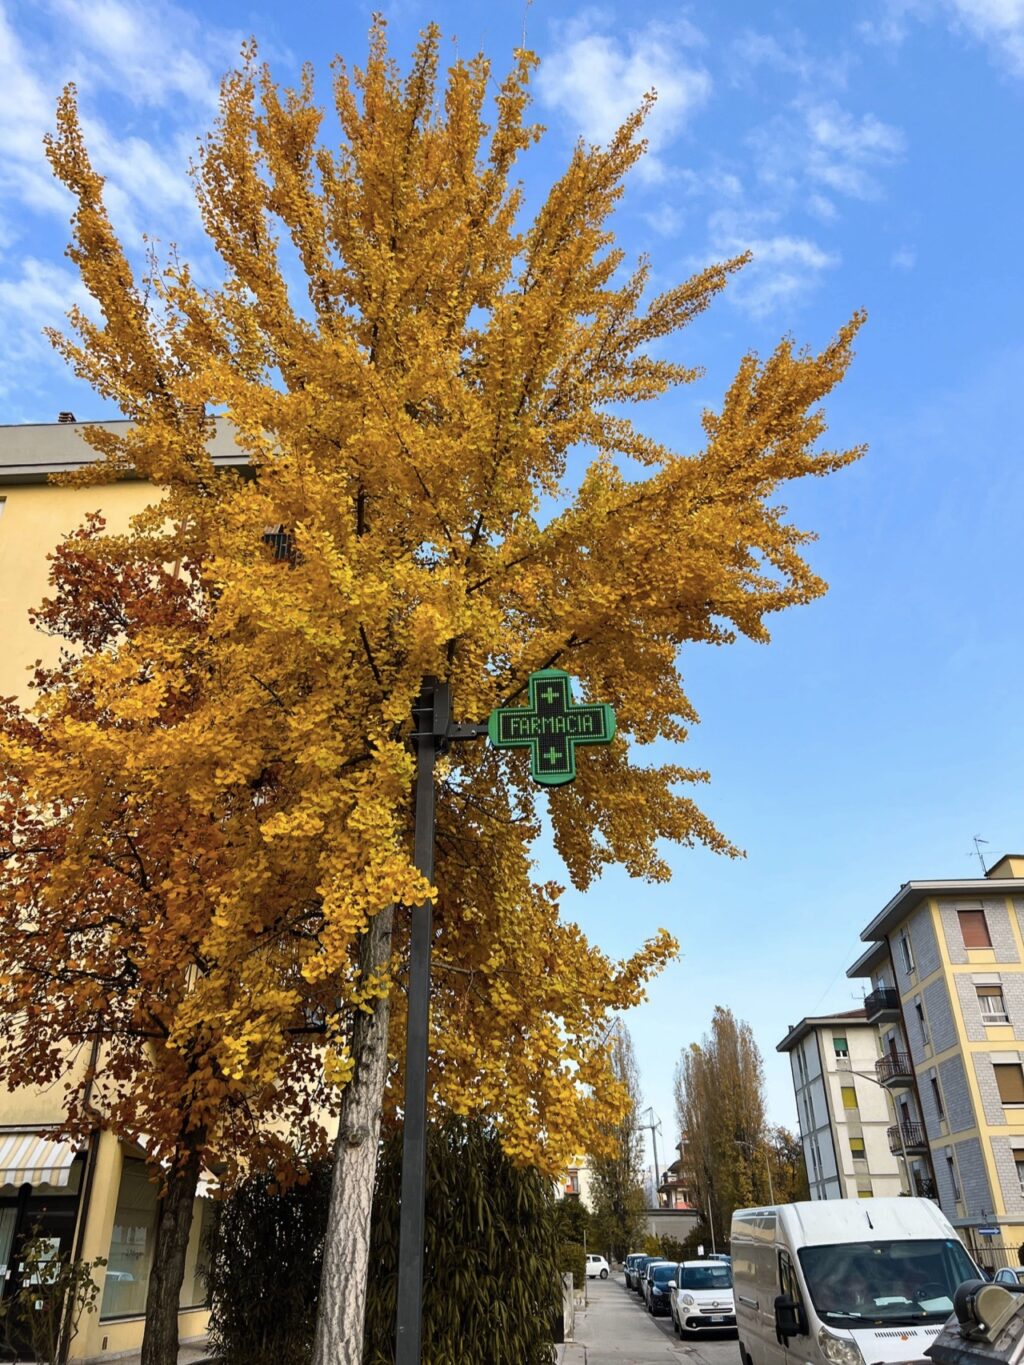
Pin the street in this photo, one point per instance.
(616, 1329)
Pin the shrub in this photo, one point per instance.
(491, 1288)
(264, 1272)
(572, 1257)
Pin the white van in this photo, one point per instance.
(844, 1281)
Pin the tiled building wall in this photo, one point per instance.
(1006, 1169)
(973, 1180)
(955, 949)
(955, 1094)
(940, 1016)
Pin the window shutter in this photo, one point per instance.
(973, 929)
(1010, 1080)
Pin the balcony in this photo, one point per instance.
(894, 1069)
(882, 1005)
(913, 1138)
(924, 1188)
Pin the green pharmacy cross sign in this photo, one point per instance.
(551, 726)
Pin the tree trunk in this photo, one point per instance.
(342, 1305)
(174, 1223)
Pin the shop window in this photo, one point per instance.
(993, 1006)
(1010, 1080)
(840, 1046)
(849, 1097)
(131, 1243)
(974, 929)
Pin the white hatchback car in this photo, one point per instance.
(597, 1266)
(702, 1299)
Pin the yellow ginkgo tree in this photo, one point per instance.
(214, 788)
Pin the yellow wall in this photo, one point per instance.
(32, 520)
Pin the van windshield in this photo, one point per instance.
(706, 1277)
(895, 1282)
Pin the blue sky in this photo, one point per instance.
(869, 154)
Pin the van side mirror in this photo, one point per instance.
(789, 1318)
(672, 1284)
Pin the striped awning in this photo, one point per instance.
(28, 1159)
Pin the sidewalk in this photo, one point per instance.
(614, 1329)
(190, 1353)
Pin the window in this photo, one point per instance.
(572, 1182)
(840, 1046)
(849, 1097)
(857, 1149)
(993, 1006)
(951, 1167)
(1010, 1080)
(973, 929)
(921, 1021)
(131, 1243)
(1018, 1161)
(865, 1193)
(281, 543)
(905, 950)
(937, 1096)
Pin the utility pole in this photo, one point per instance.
(551, 726)
(653, 1123)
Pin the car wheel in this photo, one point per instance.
(604, 1274)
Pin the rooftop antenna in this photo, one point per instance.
(981, 857)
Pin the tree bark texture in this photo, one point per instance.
(174, 1223)
(342, 1305)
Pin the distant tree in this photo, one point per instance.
(719, 1088)
(573, 1221)
(617, 1182)
(789, 1170)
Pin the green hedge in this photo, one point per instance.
(572, 1256)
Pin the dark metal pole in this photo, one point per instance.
(432, 725)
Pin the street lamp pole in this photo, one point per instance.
(899, 1129)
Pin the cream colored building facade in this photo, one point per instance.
(946, 966)
(97, 1200)
(843, 1112)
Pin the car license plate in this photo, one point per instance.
(716, 1317)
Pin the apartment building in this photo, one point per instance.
(946, 966)
(96, 1200)
(843, 1112)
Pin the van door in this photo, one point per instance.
(792, 1349)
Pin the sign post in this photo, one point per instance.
(551, 726)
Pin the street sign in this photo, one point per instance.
(551, 726)
(988, 1232)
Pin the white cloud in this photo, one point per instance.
(597, 81)
(822, 207)
(828, 147)
(784, 269)
(152, 54)
(903, 259)
(998, 24)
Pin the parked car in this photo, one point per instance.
(596, 1265)
(843, 1280)
(656, 1282)
(640, 1265)
(701, 1297)
(629, 1265)
(1011, 1275)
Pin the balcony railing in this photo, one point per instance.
(906, 1137)
(883, 1003)
(925, 1188)
(894, 1068)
